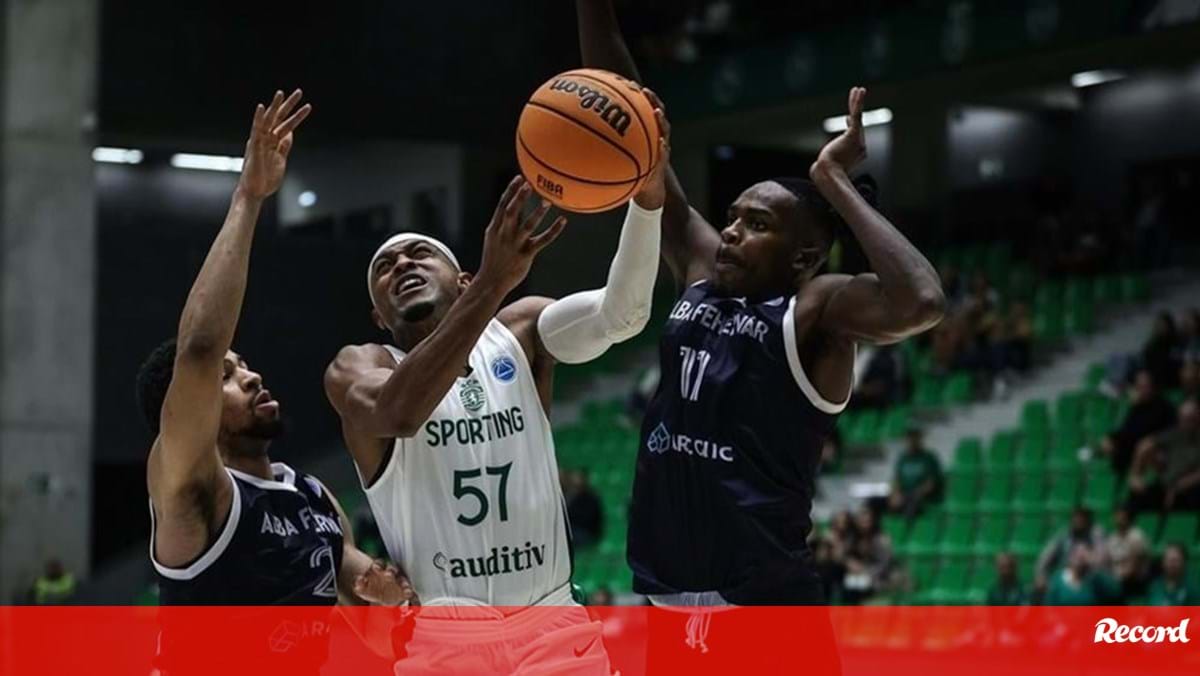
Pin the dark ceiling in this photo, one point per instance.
(371, 68)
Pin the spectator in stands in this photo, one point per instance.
(918, 478)
(55, 586)
(1160, 355)
(881, 381)
(1189, 336)
(1166, 471)
(1081, 531)
(1172, 587)
(1149, 413)
(1007, 590)
(869, 562)
(583, 507)
(1127, 551)
(1189, 379)
(840, 535)
(601, 597)
(1082, 582)
(830, 568)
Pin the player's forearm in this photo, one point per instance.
(908, 279)
(426, 373)
(600, 42)
(211, 313)
(355, 562)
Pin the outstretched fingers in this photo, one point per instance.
(546, 237)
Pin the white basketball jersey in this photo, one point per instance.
(471, 506)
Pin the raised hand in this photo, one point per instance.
(654, 193)
(510, 243)
(385, 585)
(270, 142)
(847, 150)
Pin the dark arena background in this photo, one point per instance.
(1043, 154)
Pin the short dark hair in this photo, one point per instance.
(816, 205)
(153, 379)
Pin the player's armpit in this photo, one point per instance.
(859, 309)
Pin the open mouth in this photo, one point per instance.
(263, 400)
(408, 282)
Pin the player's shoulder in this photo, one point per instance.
(819, 289)
(523, 310)
(370, 354)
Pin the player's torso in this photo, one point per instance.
(729, 448)
(471, 505)
(281, 544)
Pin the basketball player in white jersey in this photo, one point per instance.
(448, 425)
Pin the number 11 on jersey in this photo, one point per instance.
(693, 360)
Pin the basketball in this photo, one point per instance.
(587, 139)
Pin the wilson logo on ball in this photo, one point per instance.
(595, 100)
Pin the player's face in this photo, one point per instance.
(248, 409)
(758, 244)
(413, 280)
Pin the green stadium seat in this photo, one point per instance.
(968, 455)
(1077, 290)
(1032, 452)
(1107, 289)
(958, 537)
(1149, 523)
(1134, 288)
(1181, 528)
(1028, 536)
(996, 494)
(924, 536)
(896, 528)
(1002, 453)
(866, 430)
(983, 576)
(1030, 495)
(1048, 324)
(1094, 375)
(992, 536)
(1100, 490)
(896, 422)
(927, 393)
(1068, 410)
(1063, 492)
(1080, 319)
(1035, 416)
(950, 585)
(962, 492)
(1049, 294)
(923, 574)
(1021, 280)
(1064, 452)
(959, 389)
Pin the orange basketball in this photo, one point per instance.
(587, 139)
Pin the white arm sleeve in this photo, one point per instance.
(582, 326)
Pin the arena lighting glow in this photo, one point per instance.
(837, 125)
(206, 162)
(117, 155)
(306, 199)
(1088, 78)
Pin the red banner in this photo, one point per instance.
(630, 640)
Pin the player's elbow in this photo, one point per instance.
(198, 346)
(628, 324)
(930, 307)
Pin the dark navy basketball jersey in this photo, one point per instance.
(280, 545)
(728, 459)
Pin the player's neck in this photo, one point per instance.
(258, 464)
(407, 335)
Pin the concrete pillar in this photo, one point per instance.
(47, 287)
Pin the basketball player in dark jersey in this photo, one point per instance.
(229, 527)
(757, 359)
